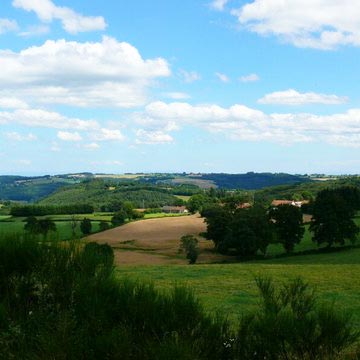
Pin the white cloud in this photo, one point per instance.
(72, 22)
(222, 77)
(47, 119)
(102, 74)
(92, 146)
(152, 137)
(219, 4)
(189, 76)
(35, 30)
(7, 25)
(249, 78)
(177, 95)
(321, 24)
(293, 97)
(239, 122)
(69, 136)
(108, 135)
(12, 103)
(15, 136)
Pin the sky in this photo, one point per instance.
(231, 86)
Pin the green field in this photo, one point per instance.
(15, 225)
(230, 288)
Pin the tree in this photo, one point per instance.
(189, 244)
(85, 226)
(288, 224)
(332, 221)
(248, 232)
(37, 227)
(73, 224)
(103, 225)
(118, 218)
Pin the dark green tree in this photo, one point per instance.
(332, 220)
(190, 245)
(103, 225)
(85, 226)
(118, 218)
(288, 225)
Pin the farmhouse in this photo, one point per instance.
(276, 203)
(174, 209)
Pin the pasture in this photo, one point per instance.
(230, 288)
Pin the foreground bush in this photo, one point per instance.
(60, 302)
(64, 302)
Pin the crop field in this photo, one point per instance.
(155, 241)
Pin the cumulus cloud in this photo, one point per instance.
(189, 76)
(249, 78)
(106, 73)
(15, 136)
(219, 5)
(7, 25)
(222, 77)
(69, 136)
(71, 21)
(320, 24)
(293, 97)
(152, 137)
(239, 122)
(104, 134)
(12, 103)
(47, 119)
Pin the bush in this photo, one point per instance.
(291, 324)
(61, 302)
(85, 226)
(189, 244)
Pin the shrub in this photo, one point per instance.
(189, 244)
(85, 226)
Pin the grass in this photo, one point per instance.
(230, 288)
(162, 215)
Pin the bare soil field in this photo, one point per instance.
(156, 241)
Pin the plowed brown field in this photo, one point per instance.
(155, 241)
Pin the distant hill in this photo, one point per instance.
(253, 181)
(31, 189)
(100, 194)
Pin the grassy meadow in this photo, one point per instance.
(231, 289)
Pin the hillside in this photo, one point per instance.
(253, 181)
(99, 194)
(31, 189)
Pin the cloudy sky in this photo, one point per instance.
(182, 85)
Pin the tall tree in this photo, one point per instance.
(288, 224)
(332, 221)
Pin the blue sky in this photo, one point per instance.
(170, 86)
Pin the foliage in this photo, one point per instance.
(105, 195)
(291, 324)
(39, 227)
(40, 210)
(288, 224)
(241, 232)
(103, 225)
(85, 226)
(190, 245)
(333, 211)
(249, 231)
(118, 218)
(65, 303)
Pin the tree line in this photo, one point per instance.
(249, 231)
(42, 210)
